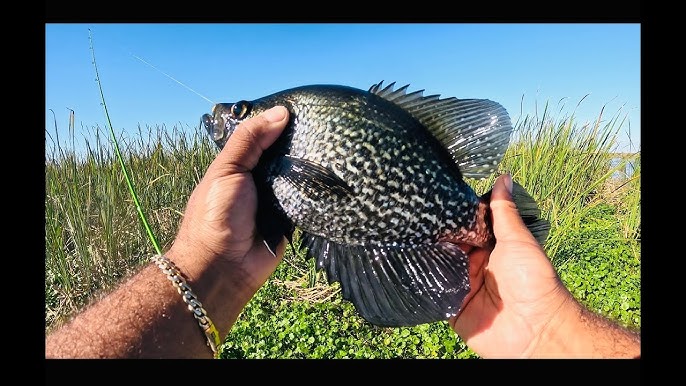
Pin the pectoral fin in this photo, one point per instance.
(312, 179)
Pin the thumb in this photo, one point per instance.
(507, 222)
(245, 146)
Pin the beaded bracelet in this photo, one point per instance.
(191, 300)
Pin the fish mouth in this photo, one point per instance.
(213, 126)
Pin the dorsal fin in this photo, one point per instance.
(476, 132)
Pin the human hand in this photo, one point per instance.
(516, 293)
(218, 228)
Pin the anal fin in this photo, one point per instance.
(396, 286)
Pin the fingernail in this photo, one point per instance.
(507, 180)
(275, 114)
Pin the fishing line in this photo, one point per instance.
(171, 77)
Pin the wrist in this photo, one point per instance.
(576, 332)
(217, 283)
(557, 338)
(191, 299)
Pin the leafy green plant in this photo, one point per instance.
(600, 269)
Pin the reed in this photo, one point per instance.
(567, 167)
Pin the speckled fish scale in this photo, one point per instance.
(374, 179)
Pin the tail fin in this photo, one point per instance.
(529, 211)
(531, 214)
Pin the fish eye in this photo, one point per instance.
(240, 109)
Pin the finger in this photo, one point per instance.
(245, 146)
(507, 222)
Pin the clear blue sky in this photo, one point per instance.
(230, 62)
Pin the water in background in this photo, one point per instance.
(628, 167)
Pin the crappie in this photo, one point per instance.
(374, 179)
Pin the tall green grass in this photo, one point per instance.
(93, 233)
(567, 167)
(94, 237)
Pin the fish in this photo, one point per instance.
(375, 181)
